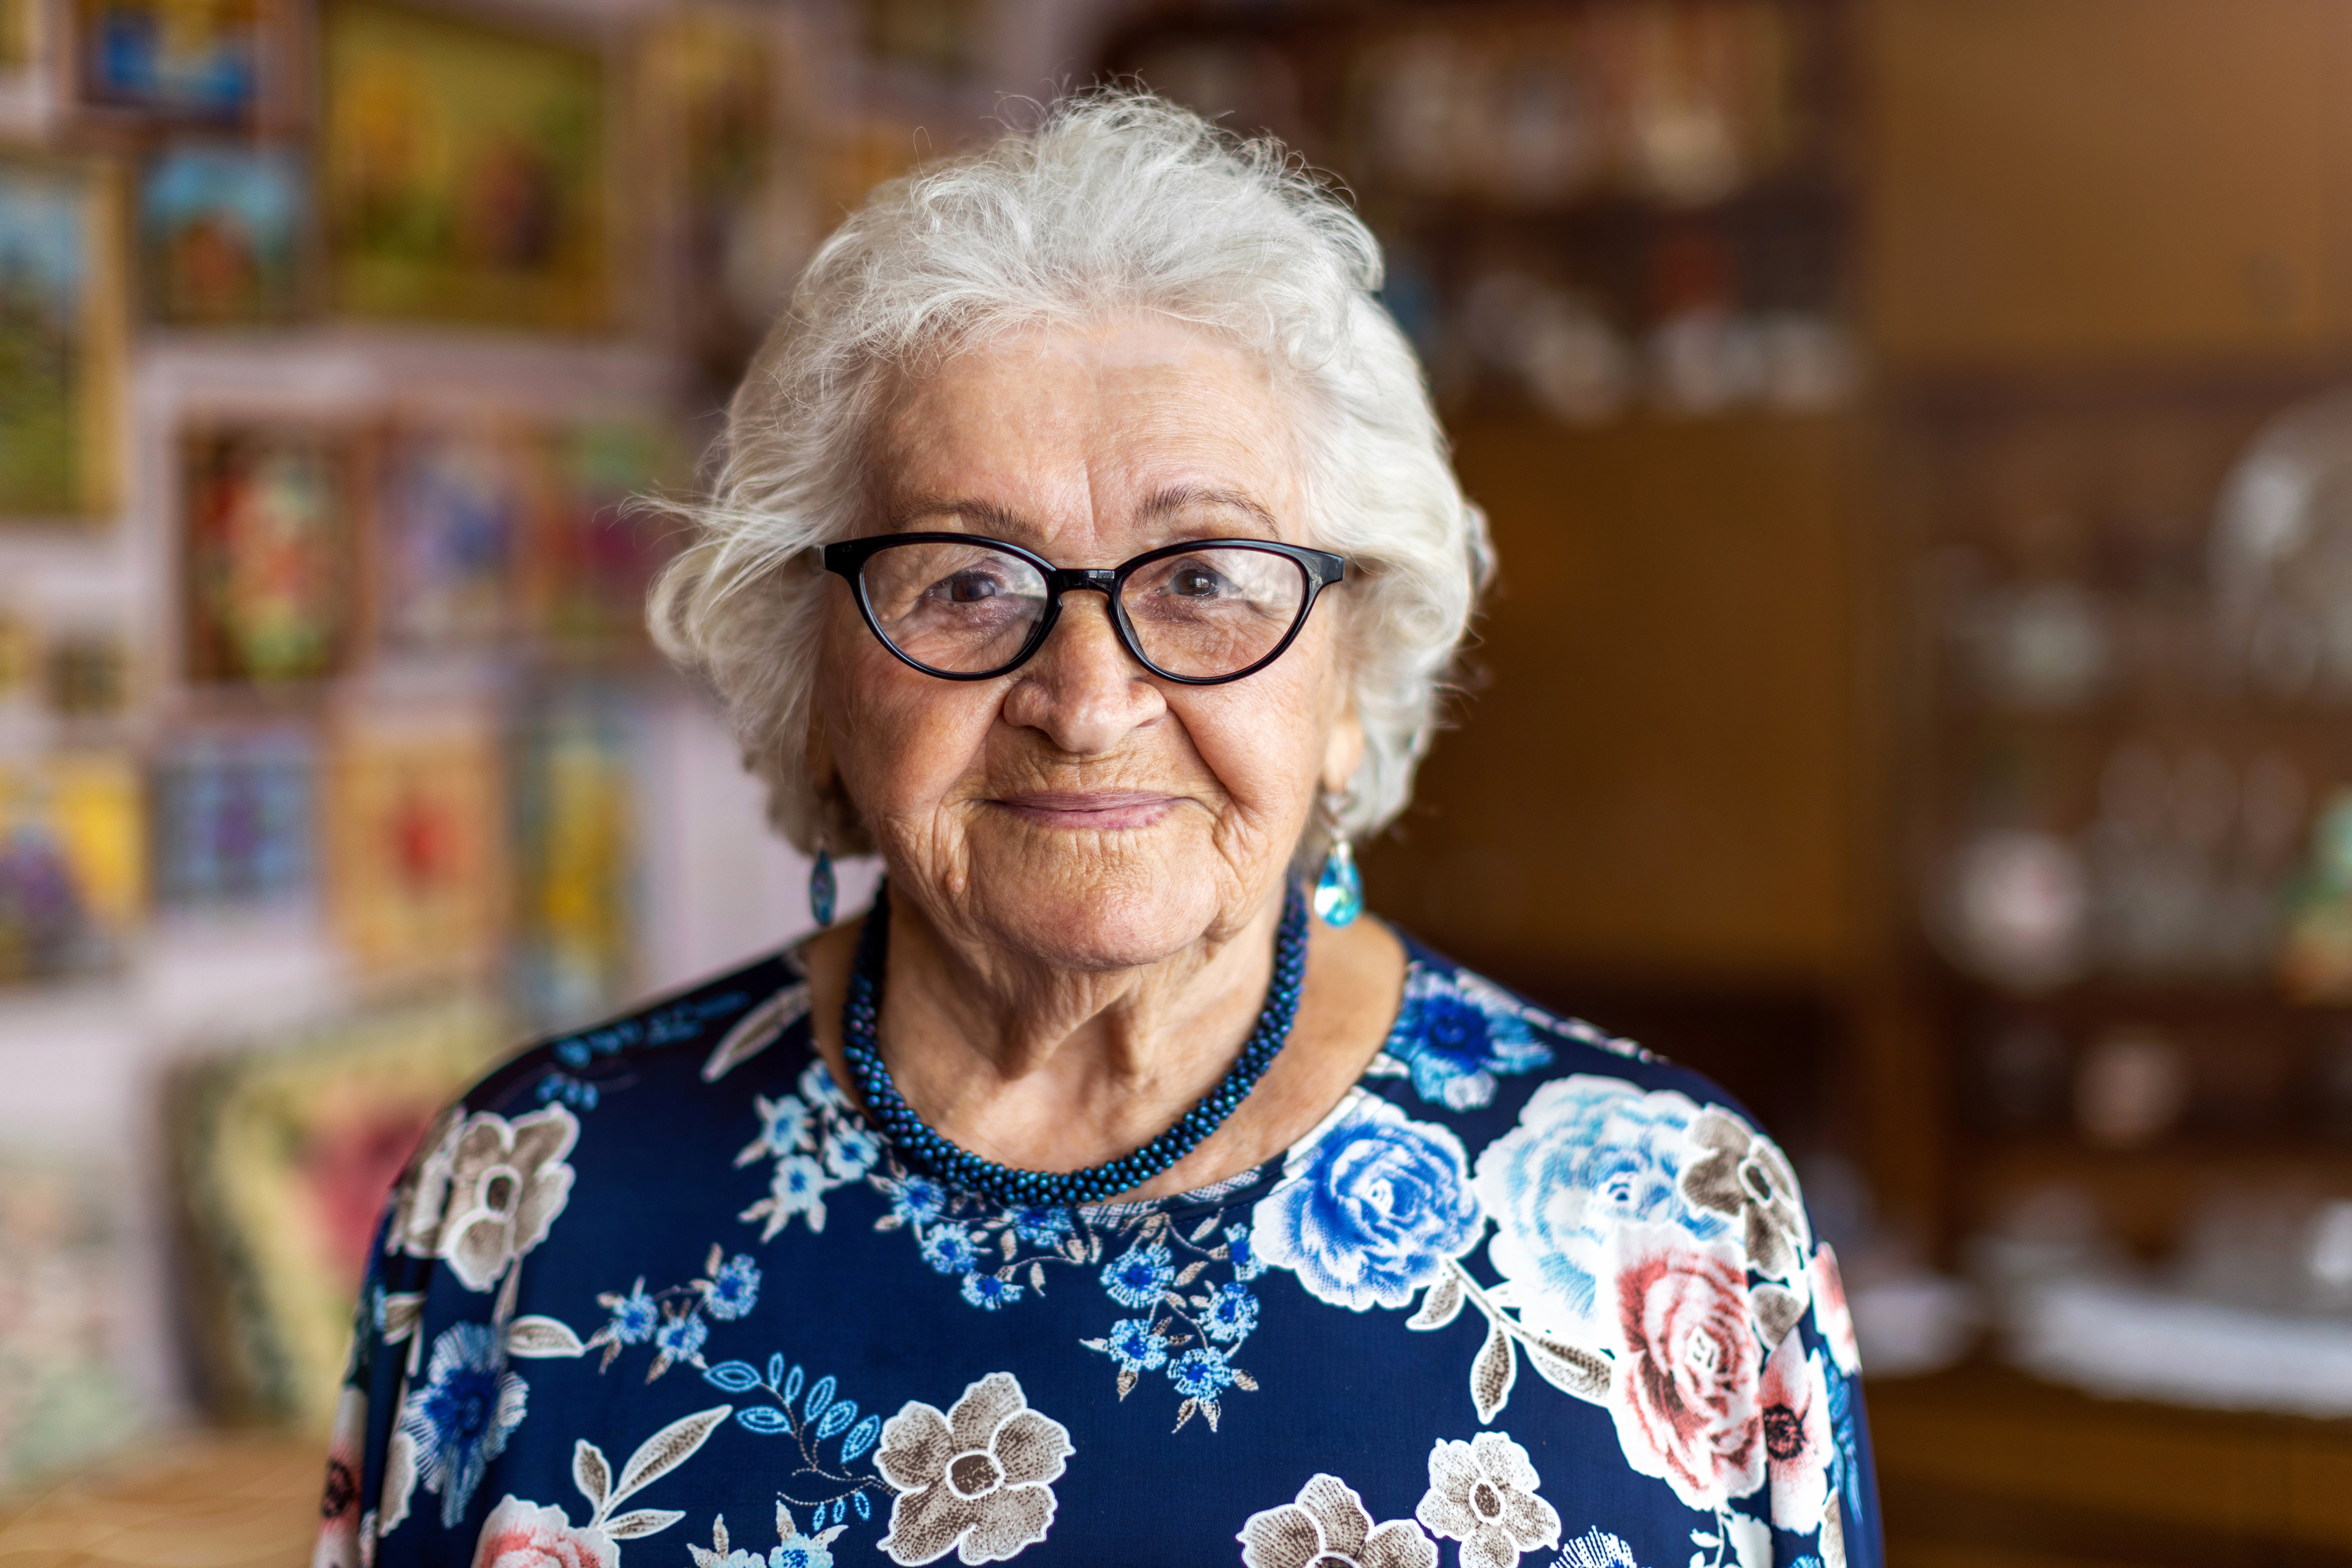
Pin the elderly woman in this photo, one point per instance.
(1085, 549)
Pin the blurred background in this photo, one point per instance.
(1918, 438)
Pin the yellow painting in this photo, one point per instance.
(417, 863)
(73, 860)
(463, 170)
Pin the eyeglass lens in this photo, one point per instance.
(967, 609)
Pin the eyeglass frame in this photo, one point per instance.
(847, 559)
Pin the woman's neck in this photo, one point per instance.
(1056, 1068)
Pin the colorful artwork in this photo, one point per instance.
(234, 820)
(86, 673)
(220, 234)
(284, 1154)
(187, 59)
(418, 868)
(454, 509)
(268, 549)
(62, 1403)
(72, 865)
(23, 56)
(710, 87)
(463, 170)
(596, 556)
(61, 341)
(574, 808)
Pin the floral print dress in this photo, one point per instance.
(1528, 1295)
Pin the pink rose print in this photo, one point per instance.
(339, 1544)
(1798, 1439)
(1831, 1314)
(1685, 1395)
(518, 1534)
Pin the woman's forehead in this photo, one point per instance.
(1139, 424)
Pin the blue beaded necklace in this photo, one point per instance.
(1018, 1189)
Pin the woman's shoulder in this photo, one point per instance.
(1557, 1117)
(1467, 1045)
(672, 1044)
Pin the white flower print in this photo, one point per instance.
(1744, 1175)
(977, 1481)
(1596, 1548)
(1328, 1527)
(1482, 1493)
(798, 1187)
(784, 1128)
(489, 1191)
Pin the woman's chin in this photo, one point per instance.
(1088, 910)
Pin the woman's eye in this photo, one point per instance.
(1195, 582)
(970, 588)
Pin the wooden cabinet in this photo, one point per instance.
(2107, 179)
(1655, 777)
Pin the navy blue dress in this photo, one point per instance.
(1529, 1295)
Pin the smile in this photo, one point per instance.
(1104, 811)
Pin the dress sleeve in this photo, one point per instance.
(363, 1456)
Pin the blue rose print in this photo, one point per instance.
(1455, 1033)
(1371, 1211)
(1133, 1345)
(1136, 1277)
(733, 1289)
(950, 1250)
(460, 1420)
(1232, 1315)
(1590, 1156)
(989, 1292)
(1201, 1374)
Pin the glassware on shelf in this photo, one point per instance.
(2013, 909)
(2130, 1088)
(2281, 553)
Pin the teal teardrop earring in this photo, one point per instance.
(822, 888)
(1340, 890)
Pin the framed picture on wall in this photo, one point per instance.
(416, 843)
(235, 819)
(592, 556)
(72, 863)
(221, 234)
(266, 593)
(452, 512)
(189, 61)
(574, 803)
(62, 338)
(27, 62)
(463, 170)
(283, 1152)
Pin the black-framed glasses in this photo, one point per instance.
(966, 608)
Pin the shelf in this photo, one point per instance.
(1983, 1466)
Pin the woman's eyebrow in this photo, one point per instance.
(1181, 498)
(986, 516)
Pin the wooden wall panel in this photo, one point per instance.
(2105, 179)
(1657, 780)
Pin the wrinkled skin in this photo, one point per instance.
(1087, 860)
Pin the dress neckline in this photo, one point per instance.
(1233, 1191)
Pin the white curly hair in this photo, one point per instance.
(1115, 202)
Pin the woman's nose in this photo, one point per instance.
(1082, 689)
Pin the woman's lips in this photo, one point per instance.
(1107, 811)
